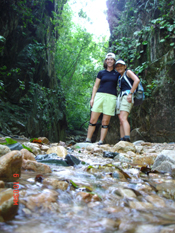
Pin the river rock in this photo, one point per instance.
(145, 160)
(123, 147)
(59, 150)
(108, 154)
(52, 159)
(156, 201)
(7, 208)
(55, 183)
(43, 199)
(72, 160)
(89, 197)
(15, 146)
(34, 147)
(126, 193)
(44, 140)
(140, 205)
(2, 184)
(165, 161)
(27, 155)
(35, 166)
(4, 150)
(10, 164)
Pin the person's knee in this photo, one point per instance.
(93, 121)
(105, 122)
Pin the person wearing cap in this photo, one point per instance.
(103, 98)
(125, 99)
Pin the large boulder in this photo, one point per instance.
(35, 166)
(10, 166)
(8, 208)
(4, 150)
(165, 161)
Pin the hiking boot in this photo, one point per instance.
(100, 143)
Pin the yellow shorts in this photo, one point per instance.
(124, 105)
(104, 103)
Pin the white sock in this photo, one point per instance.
(88, 140)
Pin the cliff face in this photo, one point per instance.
(32, 101)
(143, 34)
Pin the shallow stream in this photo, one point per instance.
(103, 196)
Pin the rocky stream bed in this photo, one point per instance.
(86, 188)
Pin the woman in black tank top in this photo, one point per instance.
(103, 98)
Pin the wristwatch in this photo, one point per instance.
(130, 93)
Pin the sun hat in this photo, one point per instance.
(110, 55)
(120, 61)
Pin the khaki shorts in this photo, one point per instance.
(124, 105)
(104, 103)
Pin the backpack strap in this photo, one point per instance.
(126, 79)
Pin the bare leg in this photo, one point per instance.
(93, 120)
(124, 124)
(122, 134)
(105, 121)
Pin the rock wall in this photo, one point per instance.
(151, 24)
(32, 101)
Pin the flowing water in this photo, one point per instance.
(120, 198)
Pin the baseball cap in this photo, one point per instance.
(110, 55)
(120, 62)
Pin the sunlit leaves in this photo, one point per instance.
(77, 60)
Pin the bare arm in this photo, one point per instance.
(95, 88)
(136, 80)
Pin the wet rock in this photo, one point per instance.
(4, 150)
(55, 183)
(27, 155)
(44, 148)
(90, 147)
(39, 178)
(34, 147)
(27, 212)
(140, 205)
(59, 150)
(138, 143)
(126, 193)
(72, 160)
(139, 149)
(118, 175)
(43, 199)
(88, 197)
(108, 154)
(123, 147)
(123, 157)
(147, 228)
(10, 164)
(2, 184)
(84, 145)
(52, 159)
(15, 146)
(35, 166)
(156, 200)
(165, 161)
(44, 140)
(144, 160)
(7, 208)
(97, 150)
(168, 229)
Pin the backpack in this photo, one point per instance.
(139, 95)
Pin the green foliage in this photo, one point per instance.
(9, 141)
(78, 59)
(27, 148)
(132, 46)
